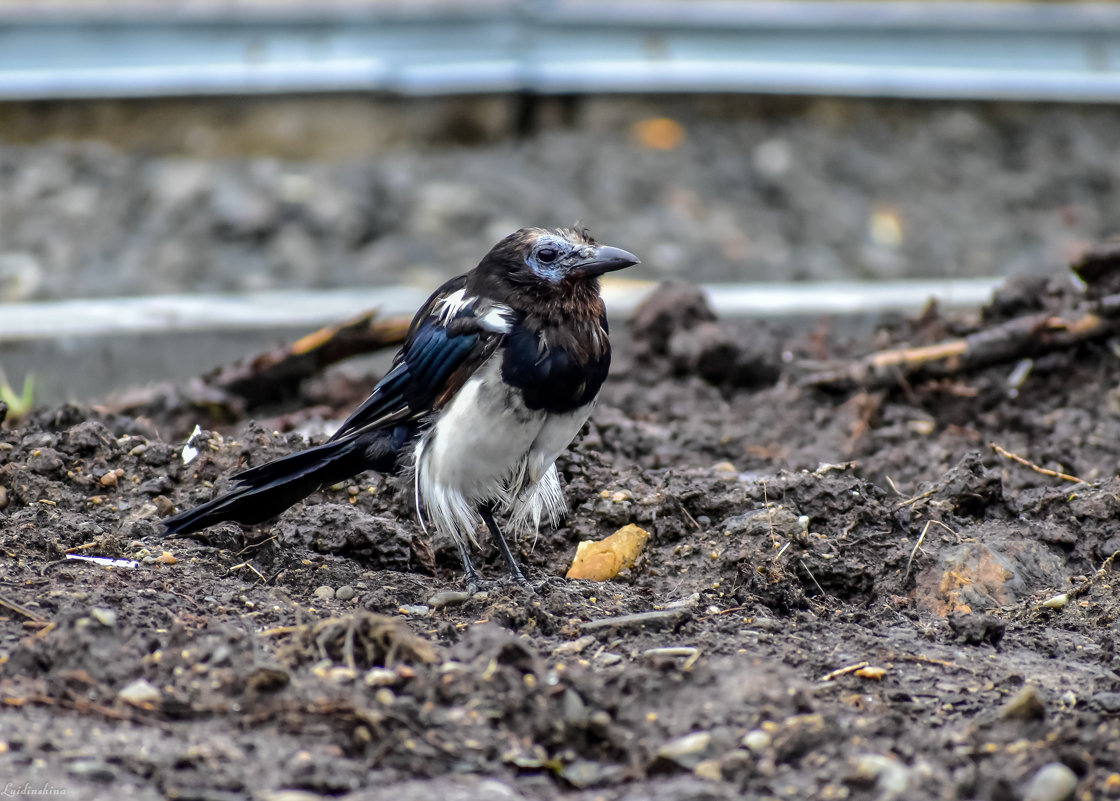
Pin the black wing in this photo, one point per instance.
(450, 337)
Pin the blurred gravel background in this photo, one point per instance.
(705, 188)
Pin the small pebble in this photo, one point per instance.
(670, 651)
(324, 593)
(709, 769)
(92, 770)
(607, 659)
(575, 646)
(345, 593)
(1027, 704)
(658, 617)
(340, 674)
(685, 603)
(1057, 602)
(289, 795)
(109, 479)
(380, 677)
(415, 610)
(756, 740)
(106, 617)
(163, 505)
(447, 598)
(1053, 782)
(891, 777)
(690, 744)
(140, 693)
(1107, 701)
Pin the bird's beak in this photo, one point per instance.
(603, 259)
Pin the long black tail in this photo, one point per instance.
(263, 492)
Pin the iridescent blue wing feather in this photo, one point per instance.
(449, 338)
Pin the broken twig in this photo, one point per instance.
(1021, 338)
(1044, 471)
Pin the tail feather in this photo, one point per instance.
(265, 491)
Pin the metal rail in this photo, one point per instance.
(83, 319)
(898, 49)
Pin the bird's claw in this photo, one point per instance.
(476, 584)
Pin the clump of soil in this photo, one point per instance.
(846, 593)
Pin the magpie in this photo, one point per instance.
(498, 372)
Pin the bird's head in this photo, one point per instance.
(555, 257)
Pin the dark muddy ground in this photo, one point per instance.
(842, 597)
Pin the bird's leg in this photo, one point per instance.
(515, 571)
(474, 579)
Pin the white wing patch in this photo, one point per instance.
(498, 318)
(451, 305)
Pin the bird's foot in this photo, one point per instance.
(477, 584)
(518, 577)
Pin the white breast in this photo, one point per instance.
(487, 447)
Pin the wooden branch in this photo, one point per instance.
(277, 374)
(1024, 337)
(229, 392)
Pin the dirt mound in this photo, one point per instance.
(846, 593)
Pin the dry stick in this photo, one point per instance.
(921, 539)
(256, 545)
(277, 373)
(246, 564)
(844, 671)
(805, 567)
(917, 498)
(23, 610)
(1015, 339)
(1017, 458)
(770, 520)
(720, 612)
(77, 548)
(261, 378)
(1082, 588)
(927, 660)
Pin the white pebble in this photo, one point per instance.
(756, 740)
(140, 692)
(1053, 782)
(106, 617)
(1058, 601)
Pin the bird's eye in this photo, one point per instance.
(547, 255)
